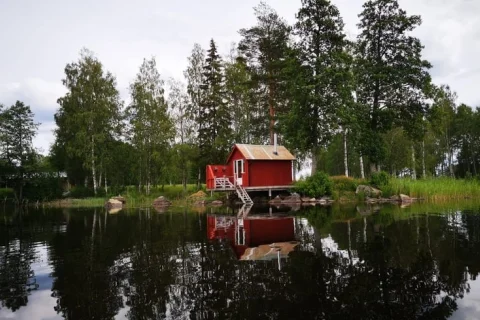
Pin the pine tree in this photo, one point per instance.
(320, 78)
(214, 119)
(265, 47)
(391, 75)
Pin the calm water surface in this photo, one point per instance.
(316, 263)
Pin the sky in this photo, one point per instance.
(39, 38)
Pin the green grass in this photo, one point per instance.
(136, 199)
(434, 189)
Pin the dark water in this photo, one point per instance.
(339, 263)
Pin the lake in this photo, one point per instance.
(419, 262)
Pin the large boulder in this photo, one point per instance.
(120, 198)
(368, 191)
(113, 204)
(161, 202)
(293, 198)
(276, 200)
(405, 199)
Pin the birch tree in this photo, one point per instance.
(90, 111)
(150, 130)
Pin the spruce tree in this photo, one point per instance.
(214, 118)
(391, 75)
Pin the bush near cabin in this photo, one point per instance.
(314, 186)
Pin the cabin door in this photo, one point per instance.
(238, 171)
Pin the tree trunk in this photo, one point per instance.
(362, 169)
(100, 177)
(106, 186)
(184, 178)
(271, 111)
(345, 152)
(314, 161)
(424, 170)
(94, 176)
(414, 170)
(450, 165)
(373, 168)
(199, 182)
(474, 164)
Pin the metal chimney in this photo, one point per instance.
(275, 151)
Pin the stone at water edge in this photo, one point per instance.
(405, 199)
(275, 200)
(120, 198)
(217, 203)
(368, 191)
(113, 204)
(293, 198)
(161, 201)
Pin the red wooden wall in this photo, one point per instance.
(270, 173)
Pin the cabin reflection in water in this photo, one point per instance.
(255, 237)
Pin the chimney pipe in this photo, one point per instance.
(275, 151)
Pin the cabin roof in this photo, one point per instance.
(262, 152)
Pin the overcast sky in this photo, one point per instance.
(39, 37)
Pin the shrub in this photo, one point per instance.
(344, 183)
(380, 179)
(315, 186)
(6, 193)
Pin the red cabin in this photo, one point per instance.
(253, 168)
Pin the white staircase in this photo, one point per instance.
(224, 184)
(243, 195)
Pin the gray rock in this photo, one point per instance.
(113, 204)
(217, 203)
(368, 191)
(161, 201)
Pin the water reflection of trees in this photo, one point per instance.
(390, 265)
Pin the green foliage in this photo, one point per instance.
(264, 48)
(315, 186)
(214, 118)
(392, 78)
(380, 179)
(8, 193)
(89, 116)
(343, 183)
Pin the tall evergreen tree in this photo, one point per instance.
(214, 119)
(391, 75)
(150, 127)
(89, 113)
(265, 48)
(320, 80)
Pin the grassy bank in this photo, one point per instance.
(136, 199)
(434, 189)
(342, 189)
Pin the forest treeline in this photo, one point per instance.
(351, 106)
